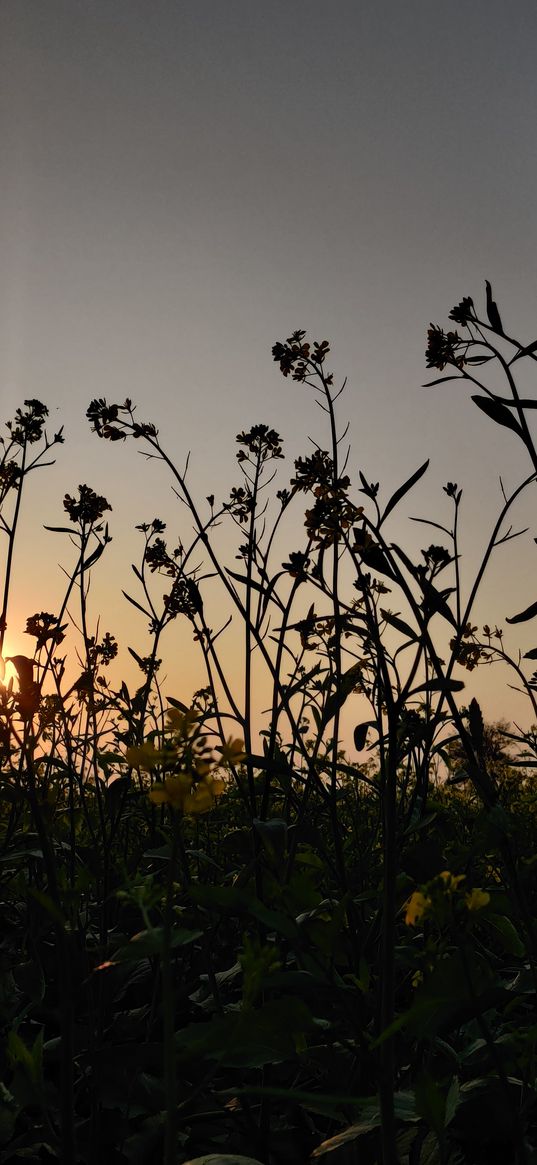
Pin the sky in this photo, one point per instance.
(183, 184)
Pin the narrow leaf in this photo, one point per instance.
(529, 613)
(135, 604)
(346, 685)
(399, 624)
(440, 380)
(492, 311)
(497, 412)
(242, 578)
(403, 489)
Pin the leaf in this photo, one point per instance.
(404, 1110)
(497, 412)
(439, 686)
(440, 380)
(372, 554)
(492, 310)
(345, 686)
(434, 603)
(237, 901)
(360, 736)
(349, 1134)
(223, 1159)
(399, 624)
(403, 489)
(247, 582)
(530, 654)
(250, 1038)
(273, 834)
(176, 704)
(138, 658)
(149, 943)
(527, 351)
(510, 939)
(135, 604)
(529, 613)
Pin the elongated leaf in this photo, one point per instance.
(403, 489)
(242, 578)
(527, 351)
(137, 657)
(176, 704)
(434, 602)
(439, 686)
(497, 412)
(135, 604)
(346, 685)
(492, 310)
(372, 555)
(529, 613)
(223, 1159)
(440, 380)
(531, 654)
(399, 624)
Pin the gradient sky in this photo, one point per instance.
(185, 183)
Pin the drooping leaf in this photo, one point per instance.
(497, 412)
(403, 489)
(529, 613)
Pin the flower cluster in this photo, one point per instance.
(28, 426)
(298, 358)
(445, 348)
(464, 312)
(262, 443)
(469, 653)
(45, 627)
(438, 899)
(88, 508)
(191, 779)
(241, 503)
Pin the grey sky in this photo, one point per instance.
(185, 183)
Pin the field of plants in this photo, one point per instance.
(225, 941)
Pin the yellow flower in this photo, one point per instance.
(182, 792)
(144, 756)
(232, 751)
(173, 791)
(416, 907)
(182, 722)
(451, 881)
(477, 899)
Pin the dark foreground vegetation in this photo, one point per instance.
(293, 949)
